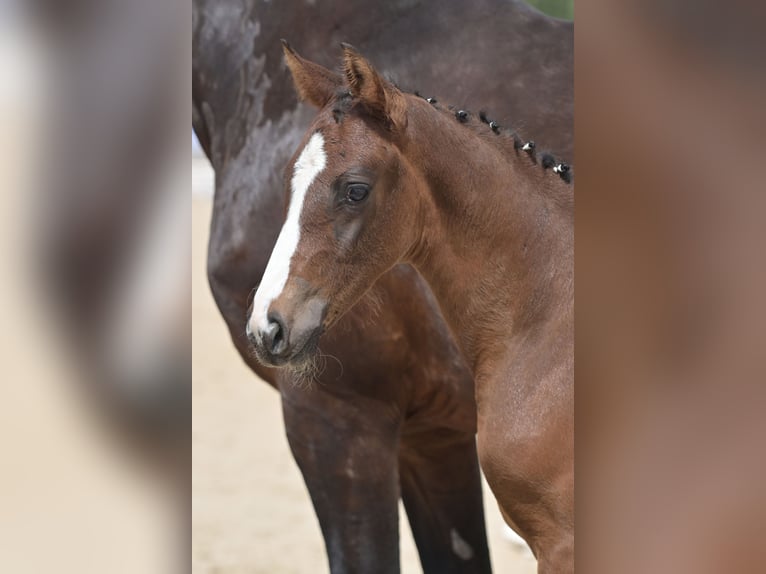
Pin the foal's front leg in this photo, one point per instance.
(348, 456)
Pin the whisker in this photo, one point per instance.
(336, 359)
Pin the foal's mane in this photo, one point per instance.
(481, 123)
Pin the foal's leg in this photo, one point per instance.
(531, 474)
(557, 555)
(347, 456)
(441, 490)
(557, 542)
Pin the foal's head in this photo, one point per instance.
(352, 208)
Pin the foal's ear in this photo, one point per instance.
(366, 85)
(315, 84)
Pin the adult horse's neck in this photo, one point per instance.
(497, 235)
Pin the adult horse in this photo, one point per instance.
(399, 416)
(486, 226)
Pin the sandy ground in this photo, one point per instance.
(251, 511)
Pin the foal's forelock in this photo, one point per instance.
(310, 163)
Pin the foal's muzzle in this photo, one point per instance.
(289, 337)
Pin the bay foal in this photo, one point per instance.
(384, 177)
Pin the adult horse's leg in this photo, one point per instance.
(347, 454)
(438, 464)
(441, 490)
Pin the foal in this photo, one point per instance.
(384, 177)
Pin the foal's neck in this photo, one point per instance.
(497, 237)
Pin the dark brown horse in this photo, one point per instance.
(382, 178)
(399, 417)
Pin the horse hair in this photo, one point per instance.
(547, 162)
(344, 101)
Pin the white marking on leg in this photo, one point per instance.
(460, 547)
(308, 166)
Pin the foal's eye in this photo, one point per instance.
(357, 192)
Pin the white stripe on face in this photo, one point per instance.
(308, 166)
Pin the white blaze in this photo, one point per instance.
(308, 166)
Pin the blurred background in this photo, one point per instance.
(670, 278)
(95, 410)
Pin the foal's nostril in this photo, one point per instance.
(275, 336)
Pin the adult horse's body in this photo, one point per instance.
(383, 177)
(399, 416)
